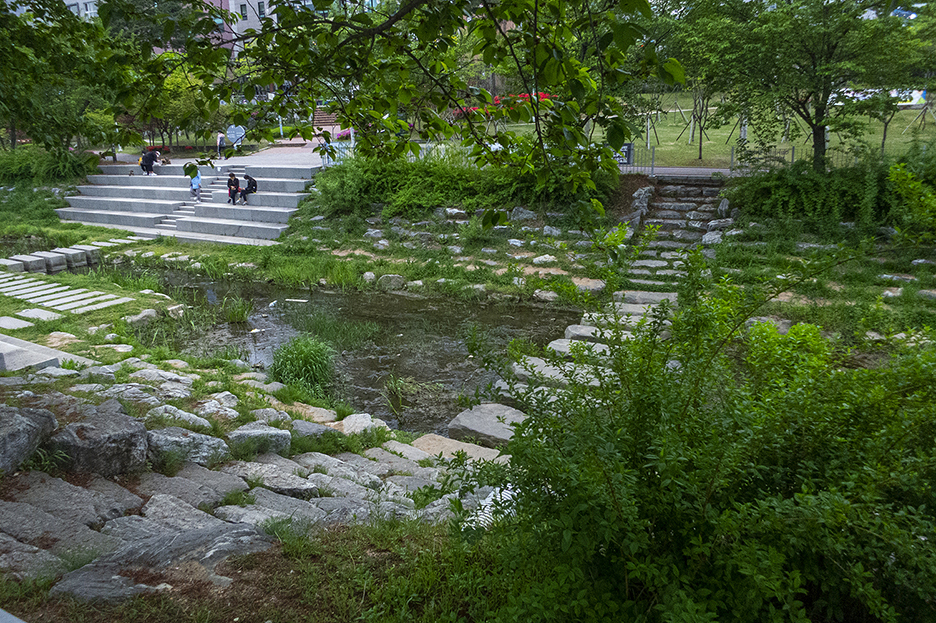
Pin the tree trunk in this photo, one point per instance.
(819, 148)
(12, 132)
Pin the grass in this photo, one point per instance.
(388, 571)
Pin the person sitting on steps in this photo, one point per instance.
(233, 185)
(249, 189)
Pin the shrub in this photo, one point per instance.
(305, 362)
(32, 164)
(858, 194)
(702, 475)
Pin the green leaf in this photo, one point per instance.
(616, 137)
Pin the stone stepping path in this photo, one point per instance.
(60, 259)
(57, 297)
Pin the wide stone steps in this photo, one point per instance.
(122, 197)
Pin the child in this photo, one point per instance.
(195, 187)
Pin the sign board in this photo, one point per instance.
(626, 155)
(235, 134)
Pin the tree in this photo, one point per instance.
(803, 58)
(371, 62)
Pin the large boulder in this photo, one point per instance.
(21, 432)
(487, 424)
(106, 442)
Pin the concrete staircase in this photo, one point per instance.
(124, 198)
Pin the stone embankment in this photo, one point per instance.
(80, 500)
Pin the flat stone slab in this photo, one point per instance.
(434, 445)
(274, 478)
(488, 424)
(202, 549)
(564, 347)
(21, 561)
(400, 465)
(7, 322)
(79, 303)
(406, 450)
(219, 481)
(640, 297)
(67, 297)
(177, 514)
(153, 483)
(31, 263)
(28, 524)
(97, 306)
(66, 501)
(179, 442)
(535, 367)
(38, 314)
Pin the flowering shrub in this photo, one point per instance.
(508, 102)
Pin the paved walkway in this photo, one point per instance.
(297, 152)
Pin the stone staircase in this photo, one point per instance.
(124, 198)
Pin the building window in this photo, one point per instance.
(261, 10)
(243, 11)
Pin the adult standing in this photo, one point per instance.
(220, 144)
(233, 185)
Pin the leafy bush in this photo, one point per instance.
(411, 189)
(700, 475)
(305, 362)
(32, 164)
(919, 213)
(859, 194)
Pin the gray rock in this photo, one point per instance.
(266, 438)
(270, 415)
(160, 376)
(219, 481)
(712, 238)
(20, 561)
(225, 399)
(339, 510)
(522, 214)
(178, 514)
(405, 450)
(213, 408)
(543, 259)
(273, 478)
(553, 232)
(410, 483)
(720, 224)
(174, 414)
(64, 500)
(154, 483)
(21, 432)
(136, 528)
(28, 524)
(101, 373)
(133, 392)
(179, 443)
(283, 506)
(401, 465)
(374, 234)
(203, 547)
(173, 391)
(107, 442)
(488, 424)
(391, 282)
(302, 428)
(336, 468)
(782, 325)
(143, 318)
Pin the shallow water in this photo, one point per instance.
(421, 341)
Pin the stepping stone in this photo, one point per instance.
(11, 266)
(31, 263)
(25, 284)
(434, 445)
(318, 462)
(536, 368)
(13, 323)
(75, 304)
(38, 314)
(21, 561)
(68, 297)
(400, 465)
(121, 241)
(74, 258)
(54, 262)
(273, 478)
(92, 253)
(34, 297)
(406, 451)
(563, 347)
(66, 501)
(38, 290)
(101, 243)
(489, 424)
(639, 297)
(96, 306)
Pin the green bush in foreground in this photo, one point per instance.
(708, 474)
(32, 164)
(306, 363)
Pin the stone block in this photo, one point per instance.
(31, 263)
(179, 443)
(54, 262)
(21, 432)
(11, 266)
(74, 258)
(107, 441)
(488, 424)
(38, 314)
(13, 323)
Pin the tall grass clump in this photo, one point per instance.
(307, 363)
(411, 189)
(32, 164)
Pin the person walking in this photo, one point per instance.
(249, 189)
(233, 185)
(195, 187)
(220, 144)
